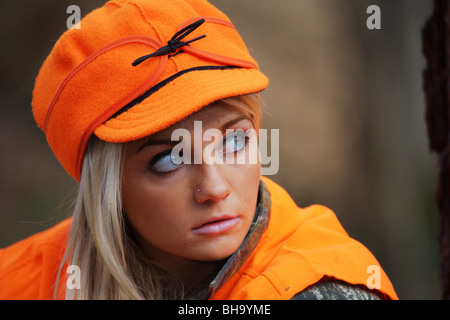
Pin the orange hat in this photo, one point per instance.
(134, 68)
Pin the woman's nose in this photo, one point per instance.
(212, 184)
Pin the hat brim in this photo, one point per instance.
(179, 97)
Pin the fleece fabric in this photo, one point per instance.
(89, 85)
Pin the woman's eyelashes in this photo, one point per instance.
(169, 160)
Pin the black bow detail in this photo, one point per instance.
(174, 43)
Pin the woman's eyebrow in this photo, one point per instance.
(156, 141)
(234, 121)
(151, 142)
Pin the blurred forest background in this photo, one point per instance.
(348, 102)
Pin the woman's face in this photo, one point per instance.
(199, 211)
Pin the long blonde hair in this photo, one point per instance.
(100, 244)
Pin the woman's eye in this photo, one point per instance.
(165, 162)
(234, 142)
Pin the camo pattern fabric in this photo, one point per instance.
(337, 290)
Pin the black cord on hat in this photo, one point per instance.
(174, 43)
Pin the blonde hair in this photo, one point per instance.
(100, 244)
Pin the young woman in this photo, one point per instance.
(153, 107)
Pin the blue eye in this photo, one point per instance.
(234, 142)
(165, 162)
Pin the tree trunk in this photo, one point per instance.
(436, 48)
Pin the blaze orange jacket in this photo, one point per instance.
(298, 248)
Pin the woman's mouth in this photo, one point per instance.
(216, 226)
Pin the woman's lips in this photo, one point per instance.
(216, 225)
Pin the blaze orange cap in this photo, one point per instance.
(134, 68)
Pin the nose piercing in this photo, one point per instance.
(198, 190)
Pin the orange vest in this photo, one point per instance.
(28, 268)
(298, 248)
